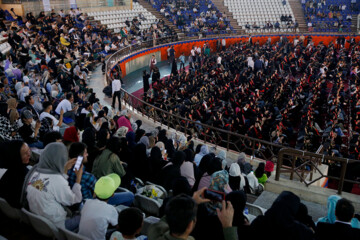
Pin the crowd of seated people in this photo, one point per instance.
(285, 22)
(194, 16)
(132, 34)
(188, 211)
(260, 91)
(331, 16)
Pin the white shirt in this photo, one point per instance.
(48, 193)
(218, 60)
(96, 216)
(153, 61)
(116, 85)
(118, 236)
(107, 48)
(223, 42)
(251, 62)
(84, 111)
(54, 120)
(65, 105)
(193, 52)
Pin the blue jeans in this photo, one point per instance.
(122, 198)
(72, 223)
(37, 144)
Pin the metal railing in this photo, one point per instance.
(303, 164)
(115, 58)
(208, 134)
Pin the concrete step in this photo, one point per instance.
(158, 15)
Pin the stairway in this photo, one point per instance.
(219, 4)
(158, 15)
(354, 23)
(299, 14)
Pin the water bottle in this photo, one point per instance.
(246, 211)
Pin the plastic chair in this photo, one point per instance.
(71, 235)
(9, 211)
(43, 226)
(158, 186)
(148, 205)
(147, 222)
(255, 210)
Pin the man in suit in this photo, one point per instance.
(341, 229)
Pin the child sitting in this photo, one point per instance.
(129, 225)
(97, 214)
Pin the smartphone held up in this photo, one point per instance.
(78, 163)
(214, 195)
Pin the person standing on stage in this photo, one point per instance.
(182, 61)
(116, 86)
(152, 64)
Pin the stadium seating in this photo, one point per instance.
(260, 12)
(116, 19)
(5, 48)
(331, 16)
(188, 17)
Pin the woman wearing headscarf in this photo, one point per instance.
(161, 146)
(130, 137)
(236, 179)
(280, 218)
(208, 167)
(188, 169)
(238, 201)
(156, 164)
(145, 140)
(16, 156)
(330, 217)
(47, 189)
(108, 161)
(203, 151)
(208, 225)
(71, 135)
(220, 182)
(260, 173)
(121, 132)
(88, 137)
(245, 167)
(102, 138)
(139, 164)
(172, 170)
(12, 103)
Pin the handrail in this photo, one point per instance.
(230, 140)
(127, 95)
(312, 160)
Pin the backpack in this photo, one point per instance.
(108, 91)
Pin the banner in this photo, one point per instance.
(47, 7)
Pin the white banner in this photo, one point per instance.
(73, 3)
(47, 7)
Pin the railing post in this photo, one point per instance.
(279, 164)
(342, 175)
(253, 147)
(292, 168)
(168, 122)
(311, 168)
(228, 142)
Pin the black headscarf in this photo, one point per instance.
(280, 217)
(12, 181)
